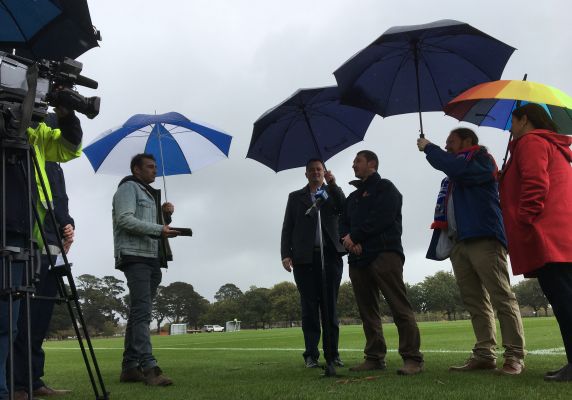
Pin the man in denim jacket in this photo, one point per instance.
(139, 227)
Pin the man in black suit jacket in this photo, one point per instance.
(300, 250)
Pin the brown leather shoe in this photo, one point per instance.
(512, 366)
(410, 367)
(369, 365)
(154, 377)
(474, 364)
(132, 375)
(48, 391)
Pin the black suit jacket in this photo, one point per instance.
(299, 230)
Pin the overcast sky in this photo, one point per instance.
(225, 63)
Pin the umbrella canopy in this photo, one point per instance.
(491, 104)
(179, 145)
(309, 124)
(420, 67)
(51, 29)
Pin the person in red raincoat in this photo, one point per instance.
(536, 201)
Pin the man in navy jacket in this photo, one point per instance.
(468, 228)
(370, 228)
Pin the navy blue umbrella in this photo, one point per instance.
(51, 29)
(420, 67)
(309, 124)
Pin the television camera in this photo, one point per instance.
(54, 83)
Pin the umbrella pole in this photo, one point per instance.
(312, 134)
(416, 58)
(510, 137)
(162, 165)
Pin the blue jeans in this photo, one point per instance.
(17, 274)
(142, 281)
(308, 279)
(40, 316)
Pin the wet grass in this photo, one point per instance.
(268, 365)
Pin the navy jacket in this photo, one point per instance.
(299, 231)
(475, 195)
(372, 217)
(60, 199)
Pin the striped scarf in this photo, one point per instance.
(440, 219)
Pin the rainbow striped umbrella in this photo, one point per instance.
(491, 103)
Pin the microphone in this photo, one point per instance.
(321, 197)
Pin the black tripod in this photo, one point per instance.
(329, 368)
(19, 252)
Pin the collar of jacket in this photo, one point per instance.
(132, 178)
(305, 194)
(359, 184)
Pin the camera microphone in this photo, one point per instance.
(321, 196)
(86, 82)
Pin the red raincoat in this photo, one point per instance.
(536, 201)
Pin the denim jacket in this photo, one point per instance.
(135, 228)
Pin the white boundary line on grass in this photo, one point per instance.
(557, 351)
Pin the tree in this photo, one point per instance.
(256, 307)
(100, 301)
(285, 302)
(442, 294)
(178, 296)
(416, 297)
(228, 291)
(161, 310)
(221, 311)
(198, 307)
(529, 293)
(347, 306)
(183, 303)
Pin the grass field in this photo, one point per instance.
(268, 365)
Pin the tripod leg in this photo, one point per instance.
(76, 315)
(329, 369)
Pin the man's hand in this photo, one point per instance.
(330, 178)
(168, 232)
(347, 242)
(168, 208)
(287, 264)
(68, 236)
(422, 143)
(356, 249)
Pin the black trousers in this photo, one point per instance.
(40, 316)
(308, 279)
(556, 283)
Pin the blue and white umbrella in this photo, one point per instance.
(179, 145)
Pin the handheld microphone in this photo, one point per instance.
(321, 197)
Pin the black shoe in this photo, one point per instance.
(311, 362)
(551, 373)
(562, 375)
(338, 362)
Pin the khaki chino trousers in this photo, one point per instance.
(385, 274)
(481, 270)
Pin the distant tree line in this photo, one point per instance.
(105, 303)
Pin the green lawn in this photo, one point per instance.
(268, 365)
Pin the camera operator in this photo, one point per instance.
(41, 310)
(58, 145)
